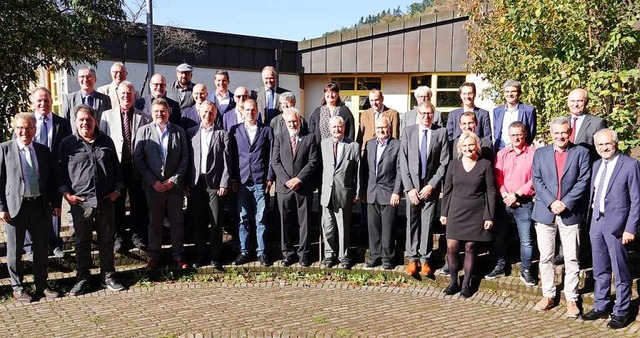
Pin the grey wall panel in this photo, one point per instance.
(349, 58)
(318, 61)
(460, 44)
(306, 62)
(427, 50)
(380, 53)
(444, 36)
(396, 53)
(411, 51)
(364, 56)
(334, 59)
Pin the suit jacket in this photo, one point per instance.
(278, 125)
(302, 165)
(621, 195)
(147, 156)
(378, 186)
(218, 158)
(61, 129)
(437, 161)
(340, 176)
(101, 102)
(344, 112)
(483, 129)
(590, 125)
(368, 124)
(251, 160)
(111, 91)
(574, 184)
(409, 119)
(259, 94)
(12, 183)
(229, 119)
(174, 93)
(144, 104)
(111, 124)
(526, 115)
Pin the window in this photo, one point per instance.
(444, 87)
(355, 90)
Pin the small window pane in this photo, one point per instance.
(417, 81)
(368, 83)
(364, 103)
(345, 83)
(447, 99)
(414, 102)
(451, 81)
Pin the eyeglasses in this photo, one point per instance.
(21, 128)
(158, 84)
(241, 96)
(425, 113)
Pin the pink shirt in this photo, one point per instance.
(513, 171)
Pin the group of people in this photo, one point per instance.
(227, 150)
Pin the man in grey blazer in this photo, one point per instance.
(561, 173)
(268, 95)
(423, 157)
(121, 124)
(583, 124)
(86, 95)
(422, 94)
(615, 216)
(28, 198)
(340, 165)
(208, 179)
(161, 155)
(380, 188)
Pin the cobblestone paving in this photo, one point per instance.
(267, 310)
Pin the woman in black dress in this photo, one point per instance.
(468, 206)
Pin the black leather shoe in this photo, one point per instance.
(217, 265)
(387, 265)
(595, 314)
(465, 292)
(617, 322)
(112, 284)
(81, 287)
(305, 262)
(329, 262)
(288, 261)
(242, 259)
(264, 261)
(451, 289)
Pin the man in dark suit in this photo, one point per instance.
(380, 188)
(28, 198)
(90, 181)
(615, 202)
(422, 94)
(561, 173)
(208, 178)
(121, 124)
(295, 160)
(236, 115)
(468, 96)
(583, 124)
(161, 154)
(340, 165)
(423, 157)
(50, 130)
(86, 95)
(512, 111)
(181, 90)
(267, 95)
(252, 177)
(158, 86)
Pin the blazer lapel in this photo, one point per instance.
(616, 171)
(54, 135)
(583, 127)
(570, 158)
(16, 157)
(197, 152)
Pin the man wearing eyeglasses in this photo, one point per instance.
(422, 94)
(158, 86)
(28, 198)
(235, 116)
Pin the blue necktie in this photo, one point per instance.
(43, 132)
(424, 153)
(599, 194)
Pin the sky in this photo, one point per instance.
(282, 19)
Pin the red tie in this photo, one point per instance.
(294, 144)
(572, 138)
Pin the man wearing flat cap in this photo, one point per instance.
(181, 91)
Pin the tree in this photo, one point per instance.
(553, 46)
(51, 34)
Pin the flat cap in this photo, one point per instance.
(184, 67)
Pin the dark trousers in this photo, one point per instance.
(380, 225)
(138, 215)
(54, 236)
(34, 218)
(609, 255)
(295, 217)
(205, 204)
(171, 202)
(87, 219)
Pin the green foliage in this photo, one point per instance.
(45, 33)
(554, 46)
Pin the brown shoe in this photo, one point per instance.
(181, 264)
(22, 297)
(544, 304)
(425, 269)
(572, 309)
(152, 264)
(411, 269)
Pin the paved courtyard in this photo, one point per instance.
(214, 309)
